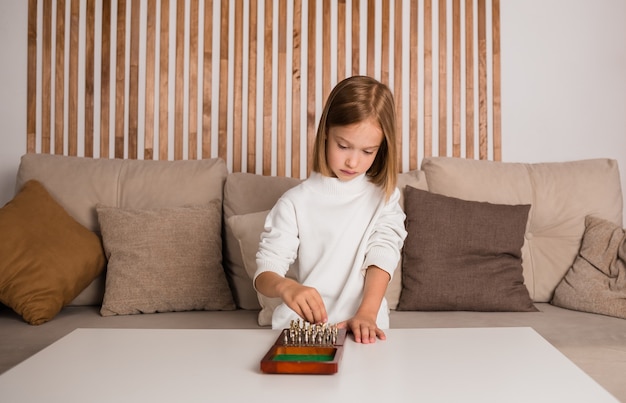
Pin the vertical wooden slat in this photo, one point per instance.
(326, 84)
(341, 39)
(456, 78)
(443, 79)
(413, 84)
(469, 79)
(46, 61)
(89, 77)
(222, 133)
(398, 80)
(310, 110)
(384, 44)
(428, 80)
(179, 81)
(252, 83)
(72, 126)
(267, 90)
(281, 142)
(371, 35)
(133, 81)
(59, 80)
(148, 152)
(356, 36)
(497, 107)
(482, 81)
(31, 85)
(192, 140)
(207, 80)
(296, 85)
(120, 78)
(105, 79)
(237, 87)
(164, 45)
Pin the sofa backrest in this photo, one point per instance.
(78, 184)
(561, 195)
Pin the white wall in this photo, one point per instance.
(563, 82)
(13, 48)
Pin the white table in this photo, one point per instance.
(425, 365)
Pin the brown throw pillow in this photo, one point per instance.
(164, 260)
(596, 282)
(47, 257)
(462, 255)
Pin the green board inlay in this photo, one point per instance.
(303, 357)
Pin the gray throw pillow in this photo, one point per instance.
(163, 260)
(596, 282)
(462, 255)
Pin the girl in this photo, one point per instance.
(343, 224)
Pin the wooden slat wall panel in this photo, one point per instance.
(120, 79)
(246, 80)
(164, 39)
(133, 95)
(148, 146)
(89, 78)
(252, 86)
(46, 88)
(59, 80)
(238, 87)
(469, 82)
(105, 79)
(207, 82)
(296, 92)
(192, 144)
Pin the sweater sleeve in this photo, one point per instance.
(387, 238)
(279, 242)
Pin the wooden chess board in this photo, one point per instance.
(300, 350)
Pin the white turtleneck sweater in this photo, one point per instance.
(335, 230)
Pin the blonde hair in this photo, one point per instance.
(353, 100)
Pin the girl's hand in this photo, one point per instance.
(364, 329)
(305, 301)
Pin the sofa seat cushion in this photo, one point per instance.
(462, 255)
(561, 195)
(596, 282)
(78, 184)
(46, 257)
(164, 260)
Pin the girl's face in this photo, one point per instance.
(351, 150)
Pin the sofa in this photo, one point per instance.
(93, 243)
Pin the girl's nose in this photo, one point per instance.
(351, 161)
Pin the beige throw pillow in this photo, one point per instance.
(247, 229)
(596, 282)
(164, 260)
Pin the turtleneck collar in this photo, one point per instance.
(331, 185)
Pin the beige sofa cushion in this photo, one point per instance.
(78, 184)
(596, 282)
(164, 260)
(246, 193)
(561, 195)
(245, 231)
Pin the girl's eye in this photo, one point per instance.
(368, 152)
(341, 146)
